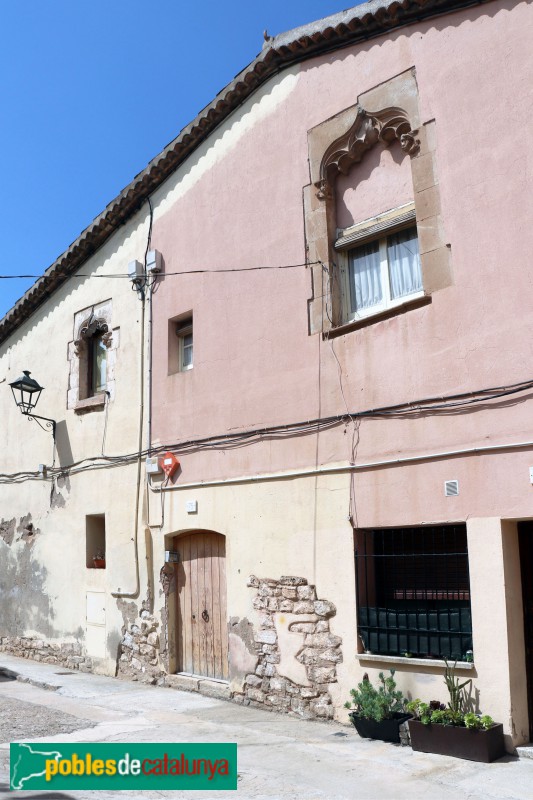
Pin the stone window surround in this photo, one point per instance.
(335, 146)
(88, 322)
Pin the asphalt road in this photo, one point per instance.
(278, 757)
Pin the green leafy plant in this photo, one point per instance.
(436, 713)
(379, 703)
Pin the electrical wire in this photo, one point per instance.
(201, 271)
(435, 405)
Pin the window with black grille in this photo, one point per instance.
(413, 591)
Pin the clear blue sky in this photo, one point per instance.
(91, 90)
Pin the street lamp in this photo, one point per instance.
(26, 393)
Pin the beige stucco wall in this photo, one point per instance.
(44, 578)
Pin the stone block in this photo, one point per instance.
(252, 581)
(308, 693)
(304, 607)
(279, 701)
(293, 690)
(273, 658)
(291, 580)
(253, 680)
(306, 592)
(289, 592)
(184, 683)
(333, 655)
(255, 694)
(266, 621)
(322, 626)
(324, 608)
(266, 637)
(303, 627)
(322, 674)
(147, 650)
(323, 640)
(278, 684)
(286, 606)
(153, 639)
(216, 689)
(269, 670)
(272, 604)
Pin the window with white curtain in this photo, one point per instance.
(383, 270)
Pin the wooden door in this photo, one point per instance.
(202, 632)
(525, 539)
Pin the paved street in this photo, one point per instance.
(279, 757)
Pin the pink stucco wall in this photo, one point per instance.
(255, 363)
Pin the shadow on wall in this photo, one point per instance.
(64, 451)
(23, 600)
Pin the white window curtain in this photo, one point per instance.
(404, 263)
(365, 277)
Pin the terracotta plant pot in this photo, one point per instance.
(99, 563)
(388, 730)
(449, 740)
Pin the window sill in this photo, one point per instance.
(96, 403)
(354, 325)
(416, 662)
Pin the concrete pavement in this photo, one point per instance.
(278, 757)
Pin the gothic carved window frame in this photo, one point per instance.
(387, 114)
(91, 326)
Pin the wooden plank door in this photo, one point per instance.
(202, 634)
(525, 541)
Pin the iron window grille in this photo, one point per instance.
(413, 591)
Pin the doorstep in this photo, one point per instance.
(210, 687)
(525, 750)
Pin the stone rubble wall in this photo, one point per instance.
(320, 651)
(67, 654)
(140, 646)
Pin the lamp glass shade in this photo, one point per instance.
(26, 392)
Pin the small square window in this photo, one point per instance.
(180, 343)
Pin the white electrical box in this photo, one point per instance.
(153, 466)
(531, 474)
(135, 271)
(172, 557)
(153, 262)
(191, 506)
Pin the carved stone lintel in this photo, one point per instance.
(387, 125)
(94, 325)
(80, 346)
(409, 143)
(325, 191)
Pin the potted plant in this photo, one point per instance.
(99, 560)
(378, 712)
(453, 731)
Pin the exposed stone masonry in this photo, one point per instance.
(270, 687)
(139, 659)
(65, 654)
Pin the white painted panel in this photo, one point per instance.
(95, 641)
(95, 608)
